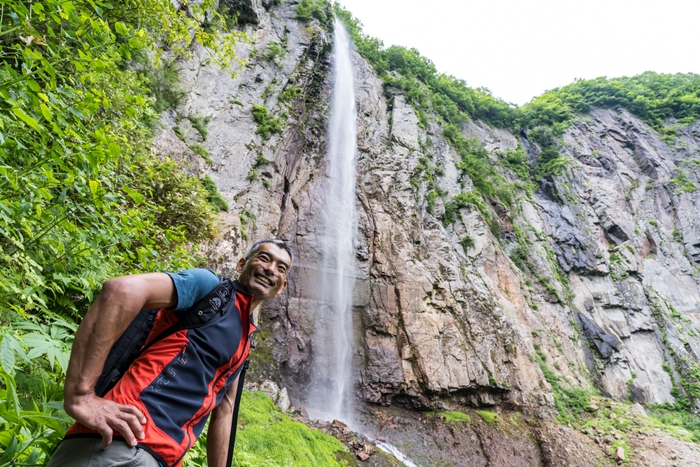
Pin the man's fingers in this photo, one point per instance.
(134, 411)
(134, 424)
(106, 433)
(124, 429)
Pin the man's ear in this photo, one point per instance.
(240, 265)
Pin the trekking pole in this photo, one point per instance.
(234, 421)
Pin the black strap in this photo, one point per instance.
(234, 419)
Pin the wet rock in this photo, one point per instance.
(604, 342)
(249, 11)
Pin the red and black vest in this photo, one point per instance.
(178, 380)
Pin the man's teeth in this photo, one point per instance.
(265, 280)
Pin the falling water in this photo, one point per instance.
(332, 343)
(330, 395)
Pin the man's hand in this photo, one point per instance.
(106, 417)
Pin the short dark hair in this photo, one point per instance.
(274, 241)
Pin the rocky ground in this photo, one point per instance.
(483, 438)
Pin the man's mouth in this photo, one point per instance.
(264, 280)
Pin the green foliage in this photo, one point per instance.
(653, 97)
(463, 200)
(489, 417)
(289, 94)
(200, 124)
(674, 419)
(310, 9)
(467, 242)
(267, 124)
(81, 199)
(549, 160)
(245, 216)
(273, 52)
(681, 183)
(267, 437)
(163, 83)
(213, 196)
(517, 161)
(33, 358)
(179, 202)
(570, 401)
(455, 417)
(252, 174)
(677, 236)
(201, 151)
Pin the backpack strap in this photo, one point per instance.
(121, 355)
(234, 418)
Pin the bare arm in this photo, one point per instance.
(219, 432)
(114, 308)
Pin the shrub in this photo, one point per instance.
(200, 150)
(213, 196)
(467, 242)
(267, 124)
(199, 124)
(310, 9)
(273, 52)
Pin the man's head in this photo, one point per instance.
(263, 271)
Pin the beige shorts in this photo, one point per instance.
(88, 452)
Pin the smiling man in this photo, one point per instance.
(154, 414)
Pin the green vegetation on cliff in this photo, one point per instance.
(81, 198)
(655, 98)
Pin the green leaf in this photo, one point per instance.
(46, 112)
(10, 451)
(94, 185)
(121, 28)
(114, 150)
(135, 195)
(26, 118)
(7, 355)
(33, 85)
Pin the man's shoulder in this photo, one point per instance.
(191, 285)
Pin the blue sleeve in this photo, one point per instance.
(191, 285)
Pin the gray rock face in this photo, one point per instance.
(612, 258)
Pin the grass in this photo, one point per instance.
(455, 417)
(200, 124)
(266, 437)
(490, 418)
(199, 149)
(678, 422)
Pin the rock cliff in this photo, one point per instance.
(592, 278)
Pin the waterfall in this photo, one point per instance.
(331, 376)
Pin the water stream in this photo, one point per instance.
(330, 390)
(332, 341)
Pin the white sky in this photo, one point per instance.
(519, 49)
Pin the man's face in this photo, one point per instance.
(265, 274)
